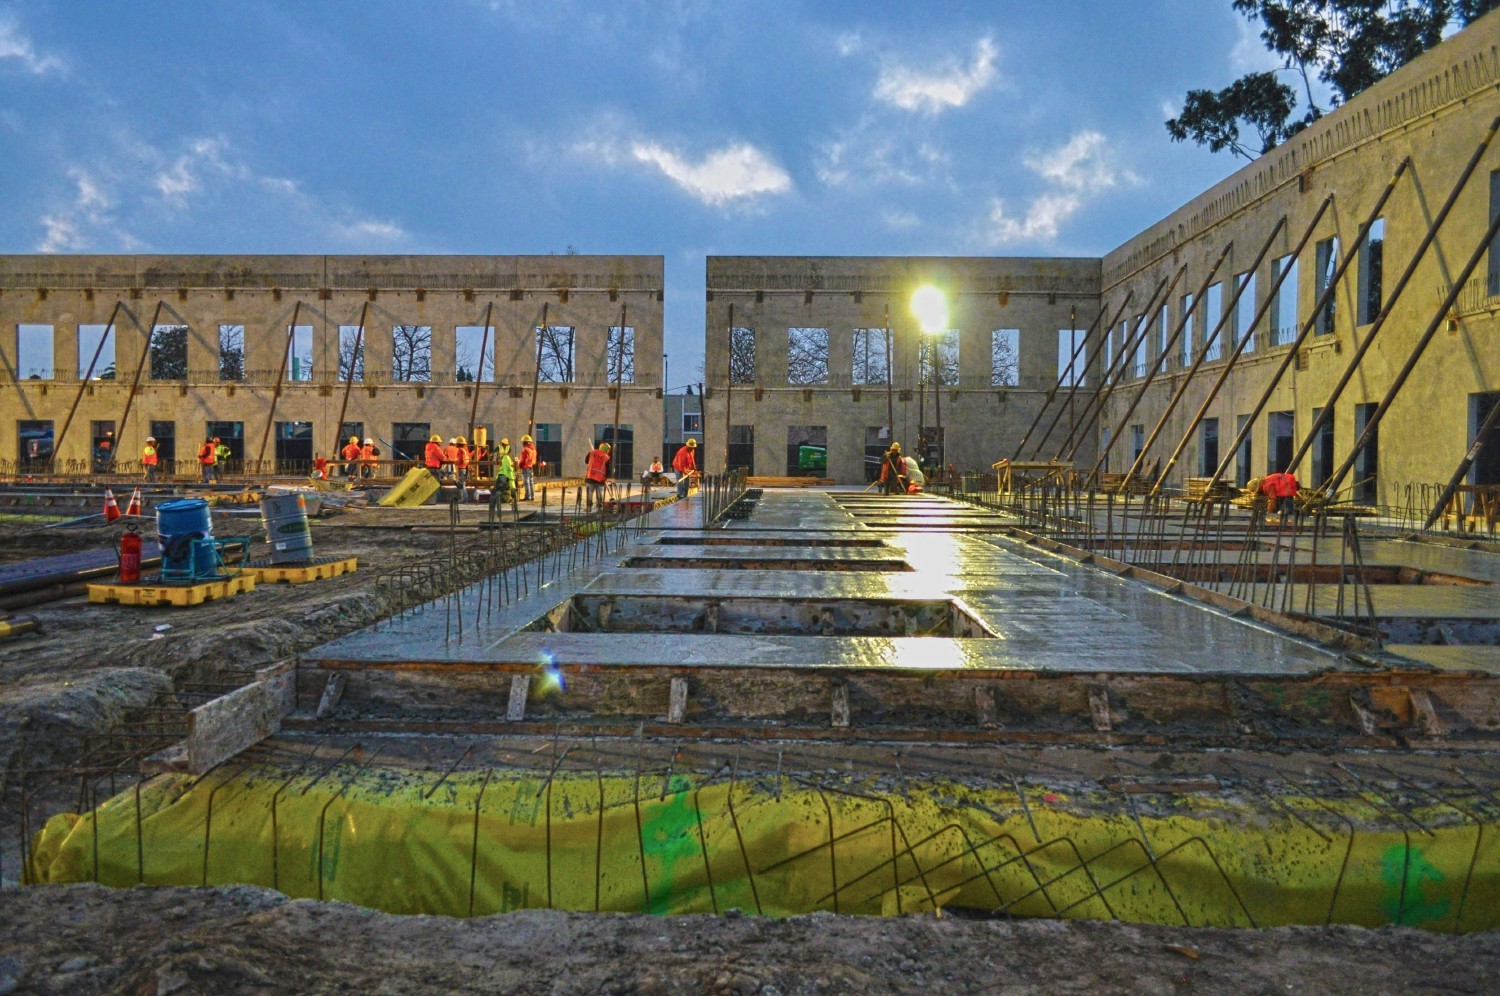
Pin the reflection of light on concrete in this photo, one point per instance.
(936, 556)
(920, 654)
(552, 678)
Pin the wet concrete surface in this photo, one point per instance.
(1048, 614)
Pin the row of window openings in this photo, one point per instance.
(807, 356)
(411, 353)
(1280, 447)
(1284, 322)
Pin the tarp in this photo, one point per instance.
(472, 843)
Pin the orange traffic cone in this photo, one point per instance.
(134, 508)
(111, 507)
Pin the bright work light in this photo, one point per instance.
(930, 308)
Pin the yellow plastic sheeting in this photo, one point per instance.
(480, 843)
(415, 488)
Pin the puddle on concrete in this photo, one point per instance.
(706, 563)
(780, 616)
(712, 539)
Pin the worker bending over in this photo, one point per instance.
(685, 463)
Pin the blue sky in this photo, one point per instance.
(684, 128)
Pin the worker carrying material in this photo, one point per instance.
(149, 459)
(526, 463)
(350, 455)
(596, 472)
(685, 463)
(893, 476)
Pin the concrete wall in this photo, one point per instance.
(1436, 110)
(263, 293)
(982, 422)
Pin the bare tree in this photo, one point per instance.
(555, 354)
(742, 355)
(351, 359)
(1005, 361)
(941, 349)
(621, 356)
(231, 352)
(807, 356)
(871, 347)
(411, 355)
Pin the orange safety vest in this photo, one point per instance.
(350, 452)
(432, 456)
(463, 458)
(367, 454)
(527, 459)
(148, 456)
(450, 454)
(597, 461)
(685, 462)
(206, 454)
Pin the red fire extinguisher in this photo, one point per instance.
(130, 556)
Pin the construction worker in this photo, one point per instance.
(432, 455)
(320, 467)
(369, 458)
(207, 457)
(461, 466)
(915, 479)
(222, 453)
(686, 465)
(596, 472)
(350, 454)
(893, 477)
(505, 471)
(1280, 490)
(450, 457)
(149, 459)
(655, 474)
(527, 464)
(104, 453)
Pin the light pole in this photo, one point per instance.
(931, 310)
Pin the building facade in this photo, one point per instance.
(284, 357)
(816, 364)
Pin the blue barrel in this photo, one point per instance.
(178, 523)
(285, 518)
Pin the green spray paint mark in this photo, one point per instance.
(1421, 878)
(669, 834)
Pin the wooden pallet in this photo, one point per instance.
(158, 594)
(320, 570)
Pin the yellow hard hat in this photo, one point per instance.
(462, 441)
(504, 442)
(434, 439)
(525, 439)
(604, 447)
(354, 440)
(692, 444)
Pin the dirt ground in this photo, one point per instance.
(86, 939)
(93, 663)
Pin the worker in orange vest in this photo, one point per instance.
(369, 458)
(1280, 488)
(207, 457)
(461, 460)
(432, 454)
(526, 461)
(686, 465)
(149, 459)
(350, 454)
(596, 472)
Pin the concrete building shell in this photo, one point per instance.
(264, 293)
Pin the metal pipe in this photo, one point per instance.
(1107, 388)
(1208, 341)
(536, 375)
(291, 331)
(135, 385)
(484, 344)
(83, 382)
(359, 340)
(890, 378)
(1062, 378)
(1385, 312)
(1239, 348)
(1307, 326)
(1161, 360)
(1490, 421)
(1107, 374)
(1332, 484)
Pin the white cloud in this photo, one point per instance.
(900, 219)
(848, 43)
(1073, 174)
(208, 182)
(734, 173)
(870, 154)
(14, 44)
(932, 91)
